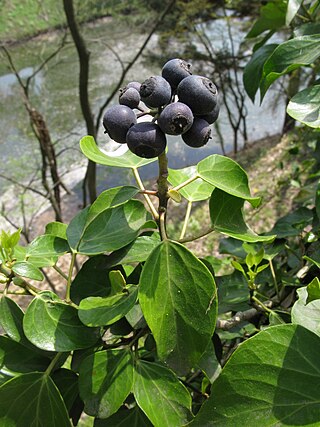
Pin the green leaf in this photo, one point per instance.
(53, 325)
(15, 358)
(227, 217)
(98, 311)
(127, 160)
(47, 246)
(11, 318)
(288, 56)
(92, 279)
(117, 281)
(32, 400)
(110, 230)
(137, 251)
(252, 72)
(209, 363)
(306, 314)
(195, 191)
(105, 380)
(57, 229)
(20, 254)
(272, 17)
(310, 29)
(67, 384)
(233, 292)
(272, 379)
(125, 418)
(161, 396)
(292, 10)
(293, 223)
(313, 290)
(27, 269)
(227, 175)
(178, 299)
(305, 106)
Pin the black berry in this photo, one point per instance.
(199, 133)
(199, 93)
(155, 92)
(175, 119)
(146, 140)
(176, 70)
(117, 120)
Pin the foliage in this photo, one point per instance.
(146, 333)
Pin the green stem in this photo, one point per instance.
(162, 226)
(73, 258)
(52, 364)
(183, 184)
(145, 195)
(192, 238)
(257, 301)
(186, 220)
(58, 270)
(273, 274)
(163, 193)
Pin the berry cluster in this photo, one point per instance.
(180, 103)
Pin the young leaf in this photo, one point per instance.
(27, 269)
(306, 314)
(32, 400)
(161, 396)
(53, 325)
(305, 106)
(271, 379)
(227, 175)
(47, 246)
(105, 380)
(287, 57)
(227, 217)
(97, 311)
(178, 299)
(124, 160)
(195, 191)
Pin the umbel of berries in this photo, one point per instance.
(180, 103)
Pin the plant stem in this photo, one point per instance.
(52, 364)
(192, 238)
(58, 270)
(145, 195)
(186, 220)
(274, 277)
(163, 193)
(257, 301)
(73, 258)
(183, 184)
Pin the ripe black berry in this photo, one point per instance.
(146, 140)
(199, 93)
(212, 116)
(135, 85)
(175, 119)
(176, 70)
(129, 96)
(117, 120)
(155, 92)
(199, 133)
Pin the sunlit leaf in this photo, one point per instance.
(305, 313)
(196, 190)
(292, 10)
(47, 246)
(177, 295)
(27, 269)
(305, 106)
(271, 379)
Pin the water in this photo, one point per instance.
(54, 92)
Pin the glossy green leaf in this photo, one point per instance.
(110, 230)
(252, 72)
(11, 318)
(305, 106)
(57, 229)
(272, 379)
(292, 10)
(310, 28)
(105, 380)
(117, 281)
(47, 246)
(227, 175)
(272, 17)
(288, 56)
(125, 418)
(209, 363)
(53, 325)
(306, 314)
(227, 218)
(127, 160)
(178, 299)
(100, 311)
(27, 269)
(161, 396)
(20, 254)
(32, 400)
(196, 190)
(15, 358)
